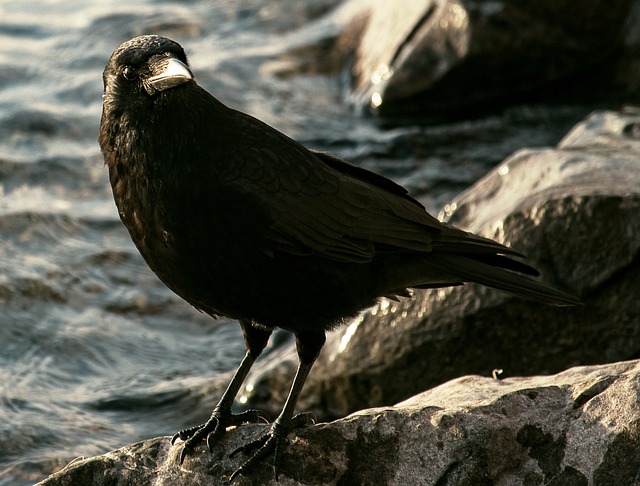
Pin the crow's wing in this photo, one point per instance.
(323, 205)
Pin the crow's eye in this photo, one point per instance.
(129, 73)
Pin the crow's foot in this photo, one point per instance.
(271, 443)
(215, 428)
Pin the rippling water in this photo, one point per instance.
(94, 352)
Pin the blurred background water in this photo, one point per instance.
(94, 352)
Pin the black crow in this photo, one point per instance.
(242, 221)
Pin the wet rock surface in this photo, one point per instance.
(578, 427)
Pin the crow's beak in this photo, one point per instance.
(171, 72)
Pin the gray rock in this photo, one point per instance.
(434, 57)
(573, 211)
(437, 55)
(580, 427)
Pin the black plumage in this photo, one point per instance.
(242, 221)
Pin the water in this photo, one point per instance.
(94, 352)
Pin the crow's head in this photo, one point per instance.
(140, 69)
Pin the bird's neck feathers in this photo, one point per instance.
(160, 125)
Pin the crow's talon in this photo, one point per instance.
(251, 416)
(302, 420)
(273, 442)
(214, 429)
(184, 434)
(214, 436)
(183, 453)
(270, 443)
(250, 446)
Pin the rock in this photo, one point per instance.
(435, 56)
(573, 211)
(439, 58)
(578, 427)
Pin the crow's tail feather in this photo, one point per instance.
(497, 273)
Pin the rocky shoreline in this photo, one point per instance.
(577, 427)
(573, 210)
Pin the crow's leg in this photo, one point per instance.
(221, 417)
(274, 441)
